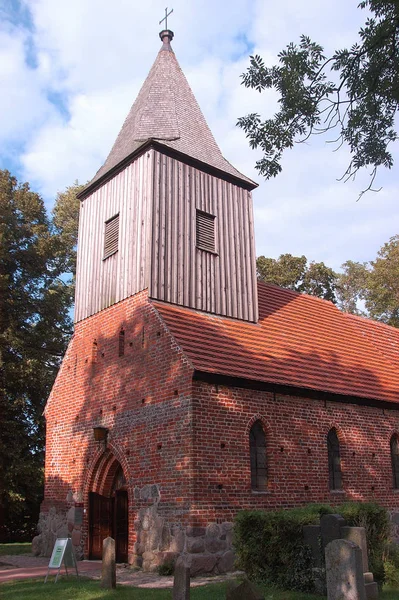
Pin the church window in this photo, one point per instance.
(395, 460)
(121, 342)
(257, 445)
(111, 236)
(334, 460)
(205, 230)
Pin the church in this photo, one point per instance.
(190, 390)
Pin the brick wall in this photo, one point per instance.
(296, 437)
(184, 445)
(143, 397)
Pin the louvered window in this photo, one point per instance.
(111, 236)
(395, 461)
(257, 446)
(205, 231)
(334, 460)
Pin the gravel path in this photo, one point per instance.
(24, 566)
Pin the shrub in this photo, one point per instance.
(166, 569)
(269, 545)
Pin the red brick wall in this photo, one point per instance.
(296, 436)
(191, 440)
(142, 397)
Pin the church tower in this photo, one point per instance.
(166, 212)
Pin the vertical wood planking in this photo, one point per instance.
(100, 283)
(222, 283)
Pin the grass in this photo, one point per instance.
(25, 548)
(91, 590)
(85, 589)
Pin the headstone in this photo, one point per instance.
(330, 526)
(181, 582)
(357, 535)
(244, 590)
(344, 571)
(108, 573)
(311, 537)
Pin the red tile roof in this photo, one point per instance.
(300, 341)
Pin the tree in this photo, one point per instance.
(66, 220)
(352, 286)
(382, 293)
(35, 326)
(294, 272)
(354, 93)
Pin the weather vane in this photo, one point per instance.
(166, 17)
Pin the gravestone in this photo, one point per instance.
(357, 535)
(108, 571)
(344, 571)
(330, 528)
(243, 591)
(181, 582)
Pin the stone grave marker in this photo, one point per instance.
(344, 571)
(181, 581)
(108, 571)
(330, 528)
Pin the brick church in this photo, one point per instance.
(190, 390)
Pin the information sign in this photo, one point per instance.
(62, 553)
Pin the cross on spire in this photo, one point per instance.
(166, 17)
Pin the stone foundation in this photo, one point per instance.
(205, 549)
(60, 522)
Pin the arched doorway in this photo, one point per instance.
(108, 509)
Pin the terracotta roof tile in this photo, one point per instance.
(300, 341)
(166, 110)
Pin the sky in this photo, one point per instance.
(71, 69)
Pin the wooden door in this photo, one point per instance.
(121, 526)
(100, 523)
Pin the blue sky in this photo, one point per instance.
(71, 70)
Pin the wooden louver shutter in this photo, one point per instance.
(205, 231)
(111, 236)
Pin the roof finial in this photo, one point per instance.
(166, 33)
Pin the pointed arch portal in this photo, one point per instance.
(108, 508)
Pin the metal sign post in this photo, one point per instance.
(62, 553)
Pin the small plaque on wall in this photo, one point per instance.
(78, 515)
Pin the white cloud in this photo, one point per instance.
(96, 54)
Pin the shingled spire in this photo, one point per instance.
(167, 112)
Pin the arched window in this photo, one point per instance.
(334, 460)
(257, 444)
(395, 460)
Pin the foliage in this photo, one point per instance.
(66, 221)
(294, 272)
(34, 328)
(269, 545)
(391, 564)
(353, 93)
(375, 283)
(166, 569)
(375, 520)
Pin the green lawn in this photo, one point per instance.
(15, 548)
(90, 590)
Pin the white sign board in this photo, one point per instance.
(62, 553)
